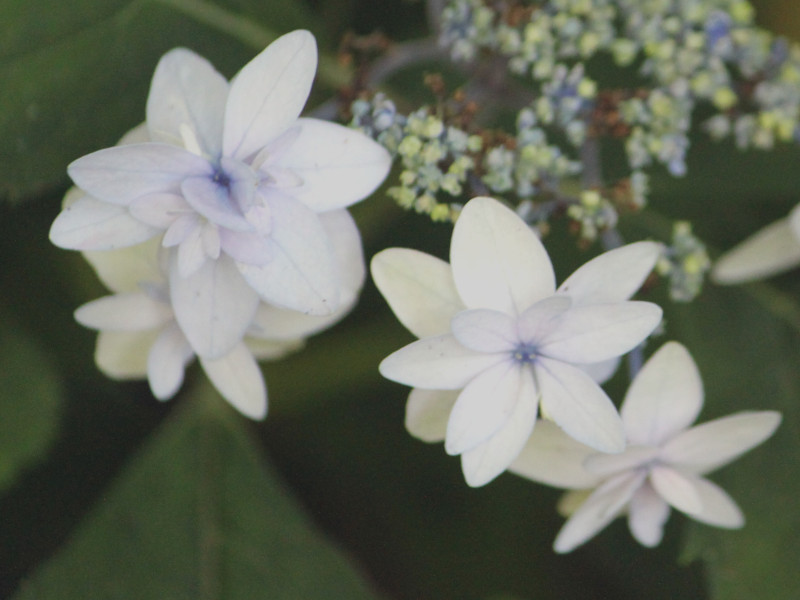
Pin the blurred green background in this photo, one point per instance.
(106, 493)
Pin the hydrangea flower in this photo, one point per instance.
(235, 184)
(772, 250)
(498, 339)
(140, 337)
(663, 465)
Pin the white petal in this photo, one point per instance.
(215, 202)
(719, 509)
(90, 224)
(159, 210)
(337, 165)
(486, 461)
(485, 330)
(214, 306)
(436, 363)
(709, 446)
(604, 465)
(601, 371)
(613, 276)
(187, 91)
(591, 333)
(267, 95)
(678, 489)
(250, 248)
(238, 378)
(427, 413)
(124, 312)
(123, 354)
(542, 319)
(498, 262)
(302, 274)
(664, 398)
(577, 404)
(191, 254)
(770, 251)
(123, 173)
(599, 509)
(346, 241)
(126, 269)
(419, 289)
(647, 514)
(552, 457)
(486, 404)
(166, 362)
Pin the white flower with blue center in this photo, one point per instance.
(236, 184)
(495, 329)
(663, 466)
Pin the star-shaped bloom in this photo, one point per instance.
(236, 184)
(498, 339)
(663, 465)
(140, 337)
(772, 250)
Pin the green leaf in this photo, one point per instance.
(30, 404)
(198, 515)
(75, 74)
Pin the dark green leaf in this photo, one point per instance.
(198, 515)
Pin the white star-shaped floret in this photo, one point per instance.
(230, 178)
(140, 337)
(772, 250)
(494, 328)
(663, 465)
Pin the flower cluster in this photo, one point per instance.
(498, 339)
(663, 465)
(247, 204)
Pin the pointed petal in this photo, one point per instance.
(486, 404)
(552, 457)
(542, 319)
(601, 371)
(485, 330)
(238, 378)
(123, 173)
(664, 398)
(709, 446)
(124, 312)
(605, 465)
(770, 251)
(486, 461)
(267, 95)
(647, 514)
(302, 274)
(419, 289)
(613, 276)
(595, 332)
(187, 92)
(498, 262)
(90, 224)
(427, 413)
(599, 509)
(123, 354)
(678, 489)
(126, 269)
(438, 363)
(719, 509)
(191, 254)
(214, 202)
(214, 306)
(167, 361)
(337, 165)
(159, 210)
(272, 349)
(577, 404)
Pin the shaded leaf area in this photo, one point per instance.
(76, 74)
(745, 342)
(31, 402)
(197, 514)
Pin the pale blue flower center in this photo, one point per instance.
(524, 354)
